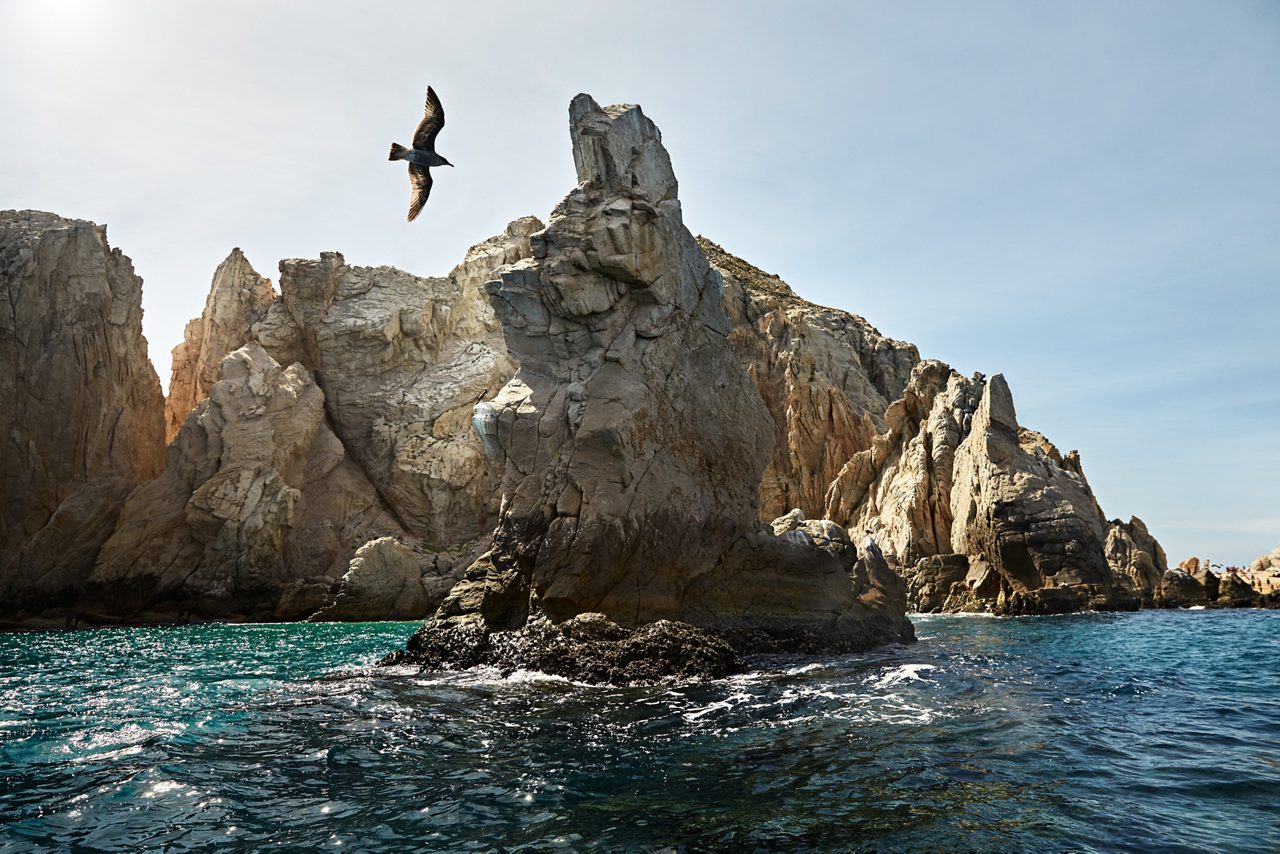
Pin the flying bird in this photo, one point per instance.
(423, 154)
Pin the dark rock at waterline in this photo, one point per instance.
(585, 648)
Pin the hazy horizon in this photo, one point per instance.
(1084, 199)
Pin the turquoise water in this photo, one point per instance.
(1135, 732)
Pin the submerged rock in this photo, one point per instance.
(632, 436)
(585, 648)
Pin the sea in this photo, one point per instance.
(1153, 731)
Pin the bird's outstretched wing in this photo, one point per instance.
(420, 181)
(432, 120)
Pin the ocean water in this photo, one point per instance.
(1156, 731)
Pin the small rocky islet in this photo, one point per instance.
(600, 447)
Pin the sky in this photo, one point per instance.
(1082, 196)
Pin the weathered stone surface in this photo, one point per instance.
(1136, 558)
(238, 299)
(403, 360)
(256, 493)
(365, 433)
(384, 582)
(1263, 575)
(826, 377)
(586, 648)
(1234, 591)
(937, 583)
(389, 580)
(956, 474)
(82, 413)
(632, 436)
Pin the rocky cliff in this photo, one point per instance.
(826, 378)
(257, 492)
(341, 416)
(981, 513)
(238, 300)
(82, 418)
(633, 438)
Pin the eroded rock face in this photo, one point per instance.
(256, 493)
(403, 360)
(632, 436)
(956, 475)
(82, 413)
(344, 417)
(826, 377)
(238, 300)
(1136, 557)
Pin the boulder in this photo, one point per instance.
(1234, 591)
(82, 417)
(1263, 575)
(1181, 589)
(384, 582)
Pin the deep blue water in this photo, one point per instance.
(1156, 731)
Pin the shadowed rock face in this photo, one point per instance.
(956, 475)
(632, 436)
(82, 413)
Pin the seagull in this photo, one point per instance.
(423, 154)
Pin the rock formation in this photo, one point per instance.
(345, 417)
(1194, 583)
(82, 417)
(1263, 575)
(1137, 558)
(632, 436)
(402, 361)
(586, 648)
(826, 377)
(955, 474)
(238, 300)
(384, 582)
(257, 492)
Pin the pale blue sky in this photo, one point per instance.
(1084, 196)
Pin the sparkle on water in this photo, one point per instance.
(1157, 730)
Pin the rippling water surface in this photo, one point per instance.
(1139, 732)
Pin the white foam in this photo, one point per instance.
(904, 673)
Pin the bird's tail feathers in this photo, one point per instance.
(398, 151)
